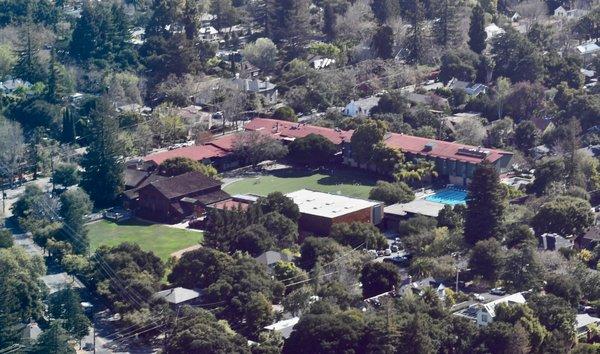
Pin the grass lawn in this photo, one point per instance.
(160, 239)
(351, 183)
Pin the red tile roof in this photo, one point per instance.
(197, 152)
(443, 149)
(218, 147)
(285, 129)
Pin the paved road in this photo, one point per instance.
(14, 193)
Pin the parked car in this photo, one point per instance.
(394, 248)
(498, 291)
(478, 297)
(387, 252)
(400, 261)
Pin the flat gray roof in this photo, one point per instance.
(419, 206)
(328, 205)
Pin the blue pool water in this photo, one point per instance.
(450, 196)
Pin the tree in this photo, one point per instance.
(447, 28)
(364, 138)
(65, 305)
(58, 84)
(12, 149)
(28, 66)
(262, 53)
(259, 313)
(255, 147)
(519, 236)
(392, 193)
(477, 35)
(516, 58)
(69, 134)
(313, 149)
(524, 100)
(485, 205)
(326, 333)
(564, 286)
(102, 177)
(285, 113)
(554, 313)
(470, 131)
(66, 175)
(255, 239)
(358, 234)
(21, 292)
(548, 171)
(501, 337)
(294, 278)
(385, 10)
(198, 331)
(75, 205)
(461, 65)
(487, 258)
(176, 166)
(315, 249)
(199, 268)
(7, 60)
(6, 239)
(287, 20)
(564, 216)
(283, 229)
(522, 270)
(277, 202)
(237, 286)
(377, 278)
(329, 19)
(383, 42)
(526, 136)
(500, 132)
(53, 340)
(224, 12)
(416, 38)
(450, 217)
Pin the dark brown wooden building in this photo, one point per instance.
(175, 198)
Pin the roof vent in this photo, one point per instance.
(429, 146)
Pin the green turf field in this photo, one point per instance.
(351, 183)
(162, 240)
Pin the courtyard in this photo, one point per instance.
(348, 182)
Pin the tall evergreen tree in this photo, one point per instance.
(28, 66)
(84, 34)
(383, 42)
(53, 340)
(75, 205)
(446, 28)
(485, 205)
(68, 123)
(329, 17)
(288, 20)
(385, 10)
(477, 35)
(416, 38)
(66, 306)
(102, 178)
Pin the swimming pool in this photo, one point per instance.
(450, 196)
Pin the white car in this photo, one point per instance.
(478, 297)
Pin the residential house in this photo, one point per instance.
(31, 332)
(560, 11)
(320, 211)
(360, 107)
(137, 36)
(583, 324)
(206, 19)
(284, 327)
(269, 258)
(394, 213)
(590, 239)
(208, 34)
(564, 12)
(554, 242)
(178, 296)
(237, 202)
(588, 51)
(471, 89)
(483, 314)
(135, 108)
(174, 198)
(264, 88)
(492, 31)
(60, 281)
(12, 85)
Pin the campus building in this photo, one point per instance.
(320, 211)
